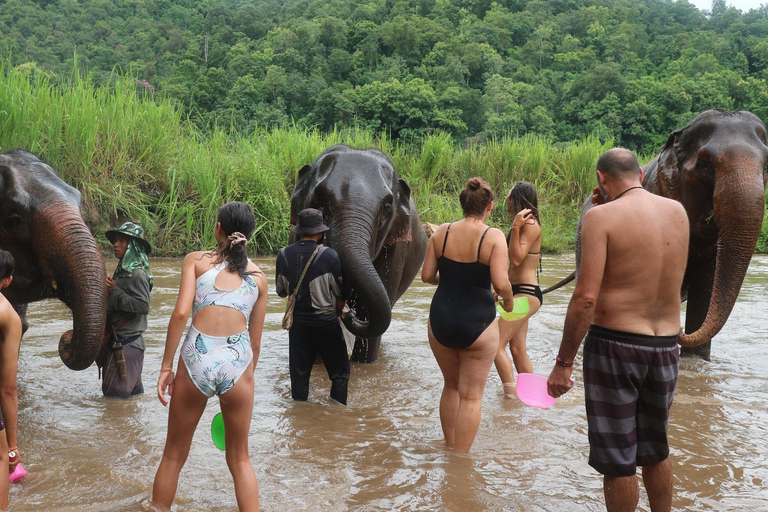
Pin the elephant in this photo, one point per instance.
(56, 256)
(375, 229)
(717, 167)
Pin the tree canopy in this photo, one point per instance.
(627, 70)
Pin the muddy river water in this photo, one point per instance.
(385, 450)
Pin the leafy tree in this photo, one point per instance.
(631, 70)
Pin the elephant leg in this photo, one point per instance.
(702, 277)
(21, 310)
(366, 350)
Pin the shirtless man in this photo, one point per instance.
(10, 339)
(634, 252)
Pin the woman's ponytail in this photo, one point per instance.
(238, 223)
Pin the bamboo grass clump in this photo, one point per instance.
(133, 155)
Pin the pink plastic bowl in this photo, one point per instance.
(532, 390)
(17, 474)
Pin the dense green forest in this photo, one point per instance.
(629, 71)
(159, 111)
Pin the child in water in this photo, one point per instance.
(10, 339)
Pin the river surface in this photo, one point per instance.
(385, 450)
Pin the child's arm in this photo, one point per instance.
(10, 340)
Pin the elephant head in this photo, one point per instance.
(368, 210)
(717, 168)
(56, 256)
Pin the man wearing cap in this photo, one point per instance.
(127, 309)
(321, 296)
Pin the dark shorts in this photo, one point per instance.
(629, 382)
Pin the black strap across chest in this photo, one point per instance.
(479, 247)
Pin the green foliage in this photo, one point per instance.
(134, 157)
(628, 71)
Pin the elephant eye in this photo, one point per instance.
(12, 223)
(704, 169)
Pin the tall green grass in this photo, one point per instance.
(134, 156)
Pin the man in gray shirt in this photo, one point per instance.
(127, 309)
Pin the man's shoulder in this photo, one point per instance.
(8, 314)
(672, 204)
(328, 252)
(139, 273)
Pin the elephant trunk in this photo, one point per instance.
(737, 236)
(79, 277)
(352, 241)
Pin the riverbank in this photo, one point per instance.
(133, 156)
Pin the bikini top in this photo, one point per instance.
(539, 268)
(242, 298)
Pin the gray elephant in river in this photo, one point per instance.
(717, 167)
(375, 229)
(55, 253)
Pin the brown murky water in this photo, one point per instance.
(385, 451)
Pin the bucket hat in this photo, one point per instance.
(132, 230)
(310, 223)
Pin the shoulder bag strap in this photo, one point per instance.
(298, 285)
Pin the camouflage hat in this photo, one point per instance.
(132, 230)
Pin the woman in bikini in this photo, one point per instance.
(463, 259)
(524, 263)
(227, 294)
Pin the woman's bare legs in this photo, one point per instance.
(3, 470)
(448, 361)
(519, 350)
(237, 408)
(515, 333)
(187, 405)
(465, 372)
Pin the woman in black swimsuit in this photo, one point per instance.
(462, 334)
(524, 264)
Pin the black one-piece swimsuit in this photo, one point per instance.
(463, 306)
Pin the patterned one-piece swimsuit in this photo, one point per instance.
(215, 363)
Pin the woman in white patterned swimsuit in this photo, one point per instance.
(227, 294)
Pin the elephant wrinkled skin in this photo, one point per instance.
(717, 167)
(55, 253)
(375, 229)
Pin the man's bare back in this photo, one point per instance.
(634, 253)
(646, 244)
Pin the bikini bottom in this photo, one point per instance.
(528, 289)
(215, 363)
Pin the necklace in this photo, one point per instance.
(630, 188)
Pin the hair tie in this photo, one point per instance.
(237, 238)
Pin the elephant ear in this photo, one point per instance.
(6, 177)
(668, 171)
(300, 192)
(401, 227)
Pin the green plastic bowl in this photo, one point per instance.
(217, 431)
(519, 311)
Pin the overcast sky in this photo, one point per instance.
(744, 5)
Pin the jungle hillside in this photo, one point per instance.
(160, 110)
